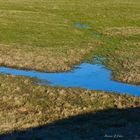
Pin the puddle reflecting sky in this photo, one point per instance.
(88, 76)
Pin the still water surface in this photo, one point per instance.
(86, 75)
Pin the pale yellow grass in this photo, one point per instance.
(126, 62)
(43, 59)
(123, 31)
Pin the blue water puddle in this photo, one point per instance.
(87, 76)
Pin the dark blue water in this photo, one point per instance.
(88, 76)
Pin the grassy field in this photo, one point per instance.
(41, 35)
(24, 105)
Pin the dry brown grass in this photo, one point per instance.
(126, 63)
(125, 58)
(43, 59)
(130, 72)
(123, 31)
(24, 105)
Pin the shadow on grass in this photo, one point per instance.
(105, 124)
